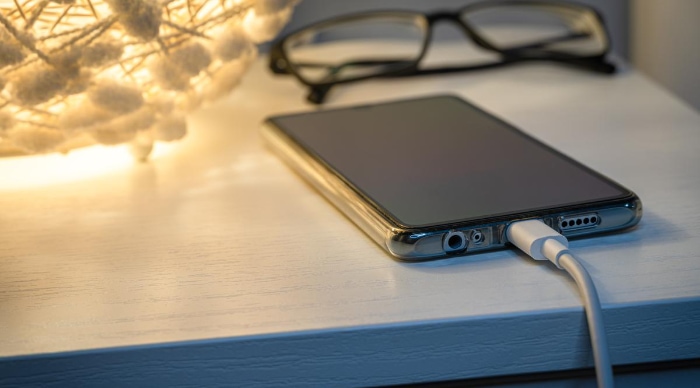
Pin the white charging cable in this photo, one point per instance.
(541, 242)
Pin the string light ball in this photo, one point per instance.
(80, 72)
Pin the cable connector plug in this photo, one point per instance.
(538, 240)
(541, 242)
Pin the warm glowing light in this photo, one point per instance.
(81, 72)
(19, 173)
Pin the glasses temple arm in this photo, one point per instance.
(318, 93)
(557, 39)
(599, 65)
(335, 69)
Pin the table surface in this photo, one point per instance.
(214, 263)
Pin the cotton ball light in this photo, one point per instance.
(83, 116)
(75, 73)
(10, 52)
(141, 146)
(6, 121)
(79, 83)
(122, 7)
(226, 79)
(232, 44)
(140, 18)
(168, 75)
(108, 136)
(191, 59)
(66, 62)
(188, 101)
(37, 84)
(36, 139)
(101, 53)
(115, 97)
(173, 72)
(263, 27)
(162, 103)
(171, 128)
(123, 128)
(269, 7)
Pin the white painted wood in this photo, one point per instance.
(215, 264)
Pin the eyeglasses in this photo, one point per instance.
(336, 51)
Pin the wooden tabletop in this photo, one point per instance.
(213, 263)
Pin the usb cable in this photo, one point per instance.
(541, 242)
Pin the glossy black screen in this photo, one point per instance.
(440, 160)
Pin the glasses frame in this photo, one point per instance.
(279, 62)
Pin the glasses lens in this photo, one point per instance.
(550, 28)
(356, 48)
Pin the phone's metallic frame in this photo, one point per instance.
(428, 243)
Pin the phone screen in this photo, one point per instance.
(441, 160)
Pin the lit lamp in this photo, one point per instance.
(82, 72)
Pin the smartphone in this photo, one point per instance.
(434, 177)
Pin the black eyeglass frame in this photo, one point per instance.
(279, 62)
